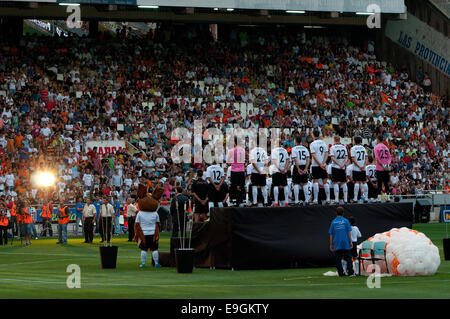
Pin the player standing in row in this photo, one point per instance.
(319, 154)
(372, 179)
(236, 156)
(258, 160)
(359, 159)
(383, 158)
(279, 168)
(339, 158)
(218, 189)
(301, 160)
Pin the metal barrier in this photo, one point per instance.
(437, 198)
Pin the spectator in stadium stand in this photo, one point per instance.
(341, 242)
(63, 216)
(89, 212)
(131, 210)
(383, 162)
(46, 215)
(79, 211)
(116, 206)
(45, 115)
(178, 208)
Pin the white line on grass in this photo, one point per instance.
(34, 262)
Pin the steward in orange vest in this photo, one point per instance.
(63, 220)
(63, 215)
(4, 222)
(46, 214)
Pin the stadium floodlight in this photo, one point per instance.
(230, 9)
(44, 179)
(364, 13)
(295, 11)
(148, 7)
(216, 9)
(69, 4)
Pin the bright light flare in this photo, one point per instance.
(44, 179)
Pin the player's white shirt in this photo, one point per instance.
(360, 154)
(280, 156)
(215, 172)
(349, 170)
(319, 148)
(258, 155)
(300, 153)
(339, 152)
(370, 172)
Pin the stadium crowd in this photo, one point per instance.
(58, 93)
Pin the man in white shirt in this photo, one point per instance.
(339, 158)
(87, 180)
(319, 154)
(106, 219)
(359, 159)
(218, 190)
(131, 211)
(278, 170)
(89, 213)
(258, 161)
(301, 160)
(372, 179)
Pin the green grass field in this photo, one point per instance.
(39, 271)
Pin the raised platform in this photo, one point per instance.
(284, 237)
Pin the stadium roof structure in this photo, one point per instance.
(312, 12)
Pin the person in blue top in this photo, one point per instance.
(97, 203)
(341, 241)
(116, 206)
(79, 208)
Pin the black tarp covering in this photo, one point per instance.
(285, 237)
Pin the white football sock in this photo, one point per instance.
(316, 191)
(336, 192)
(345, 191)
(264, 191)
(143, 256)
(327, 191)
(155, 257)
(255, 194)
(296, 191)
(275, 194)
(365, 189)
(286, 195)
(356, 192)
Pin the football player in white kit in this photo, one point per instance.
(359, 159)
(339, 158)
(218, 189)
(258, 161)
(278, 170)
(319, 154)
(372, 180)
(301, 161)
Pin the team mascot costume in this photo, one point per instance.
(147, 226)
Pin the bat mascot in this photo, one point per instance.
(147, 226)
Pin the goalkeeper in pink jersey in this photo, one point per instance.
(383, 158)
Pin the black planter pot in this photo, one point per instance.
(446, 246)
(108, 256)
(184, 259)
